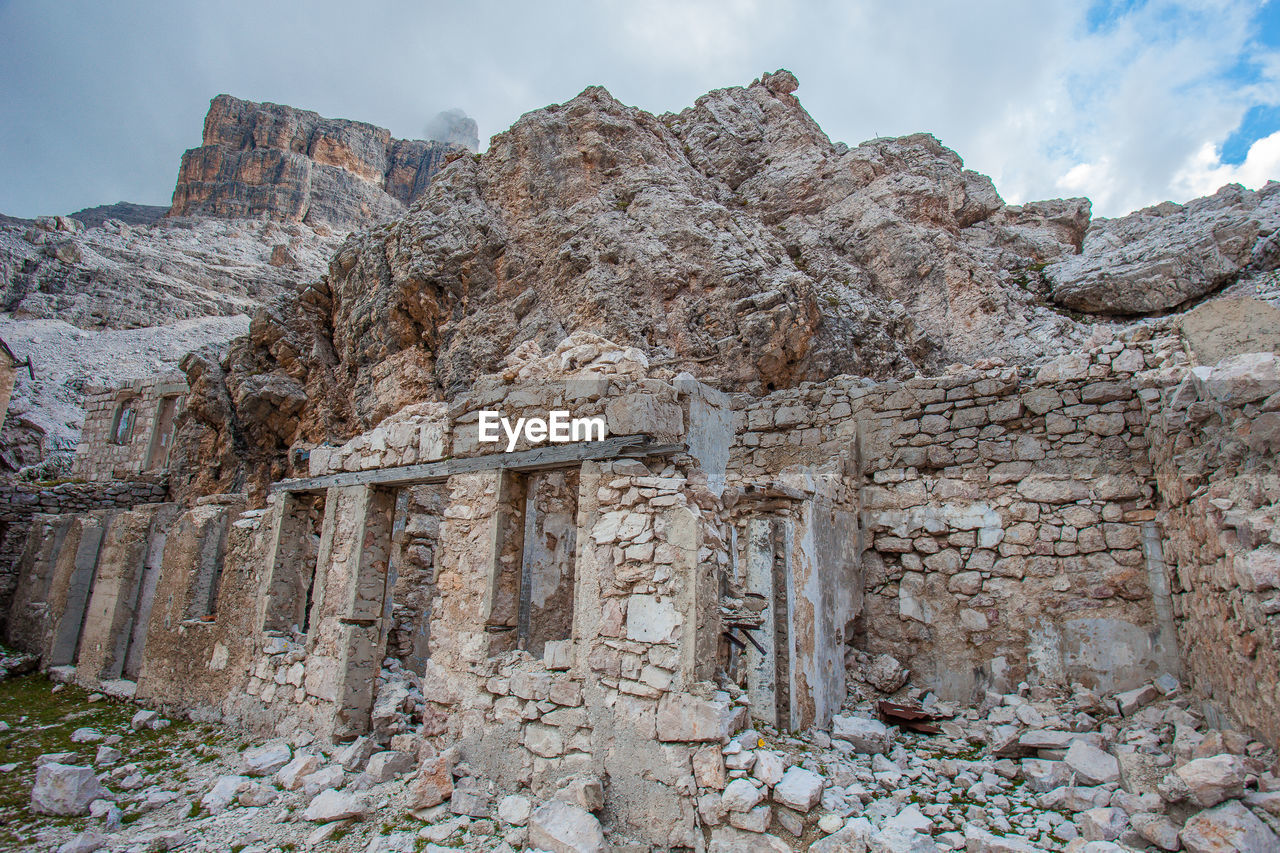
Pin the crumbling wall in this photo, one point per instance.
(128, 429)
(117, 602)
(414, 591)
(1215, 440)
(1007, 519)
(793, 592)
(636, 671)
(277, 687)
(8, 373)
(70, 585)
(535, 620)
(23, 533)
(199, 639)
(1003, 514)
(32, 578)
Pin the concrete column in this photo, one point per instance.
(1164, 645)
(151, 566)
(109, 616)
(504, 561)
(825, 587)
(292, 568)
(466, 604)
(697, 589)
(29, 617)
(759, 580)
(72, 581)
(349, 617)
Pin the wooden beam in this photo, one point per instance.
(539, 458)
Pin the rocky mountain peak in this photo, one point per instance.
(734, 234)
(263, 160)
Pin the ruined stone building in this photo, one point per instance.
(129, 430)
(306, 537)
(986, 526)
(8, 367)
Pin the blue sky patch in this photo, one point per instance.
(1104, 13)
(1259, 122)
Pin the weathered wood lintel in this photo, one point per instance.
(551, 456)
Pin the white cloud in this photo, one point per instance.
(687, 35)
(1205, 174)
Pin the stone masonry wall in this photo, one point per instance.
(98, 456)
(1215, 440)
(987, 526)
(20, 502)
(1003, 513)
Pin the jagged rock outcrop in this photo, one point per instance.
(734, 235)
(1160, 257)
(125, 211)
(291, 165)
(190, 280)
(121, 276)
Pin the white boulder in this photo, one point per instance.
(65, 789)
(560, 827)
(332, 805)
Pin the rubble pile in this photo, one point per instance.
(1024, 771)
(1032, 770)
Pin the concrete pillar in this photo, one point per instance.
(826, 595)
(29, 616)
(1164, 645)
(109, 616)
(466, 605)
(151, 566)
(505, 562)
(761, 668)
(350, 614)
(697, 588)
(292, 564)
(72, 581)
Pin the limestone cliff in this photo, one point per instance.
(189, 279)
(734, 235)
(733, 238)
(290, 165)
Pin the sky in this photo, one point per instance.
(1129, 103)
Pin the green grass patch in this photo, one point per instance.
(42, 721)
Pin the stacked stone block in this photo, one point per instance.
(98, 456)
(1215, 442)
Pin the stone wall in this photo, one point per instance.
(109, 450)
(1003, 512)
(1215, 440)
(532, 622)
(21, 504)
(606, 668)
